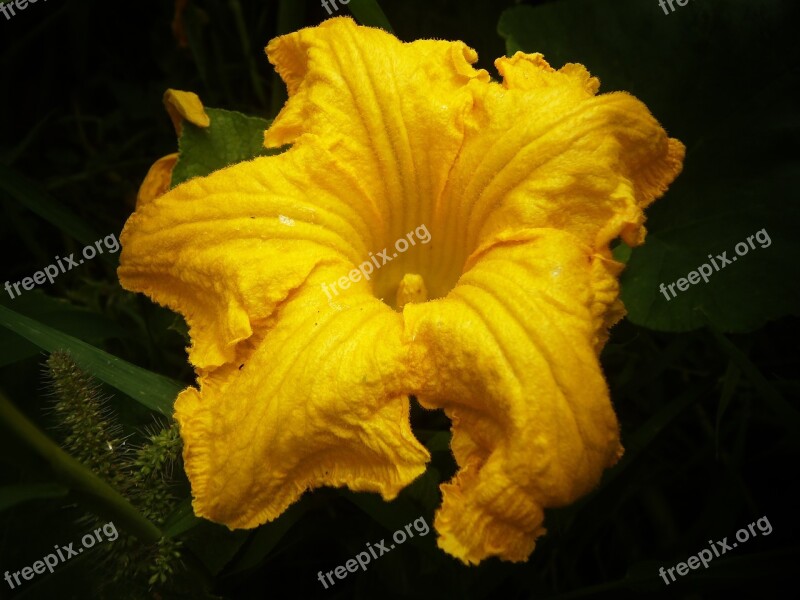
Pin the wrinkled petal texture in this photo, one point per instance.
(522, 184)
(511, 356)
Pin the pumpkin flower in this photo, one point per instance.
(522, 185)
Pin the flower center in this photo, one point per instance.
(411, 289)
(418, 265)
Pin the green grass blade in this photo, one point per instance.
(28, 194)
(266, 538)
(87, 325)
(642, 438)
(247, 55)
(729, 384)
(788, 414)
(154, 391)
(11, 495)
(369, 12)
(291, 17)
(181, 520)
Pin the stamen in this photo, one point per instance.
(411, 289)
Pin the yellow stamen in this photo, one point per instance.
(411, 289)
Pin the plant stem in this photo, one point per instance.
(76, 476)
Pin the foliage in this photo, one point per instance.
(705, 384)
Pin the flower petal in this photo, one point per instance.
(227, 249)
(243, 254)
(523, 185)
(392, 112)
(185, 105)
(315, 403)
(541, 150)
(511, 356)
(157, 181)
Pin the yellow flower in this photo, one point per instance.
(498, 320)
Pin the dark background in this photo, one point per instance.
(705, 387)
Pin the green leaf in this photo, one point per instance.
(369, 12)
(181, 520)
(214, 545)
(425, 489)
(60, 314)
(439, 441)
(11, 495)
(622, 253)
(737, 114)
(266, 538)
(154, 391)
(29, 195)
(231, 138)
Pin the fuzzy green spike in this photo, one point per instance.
(149, 469)
(92, 435)
(158, 456)
(166, 559)
(142, 475)
(149, 491)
